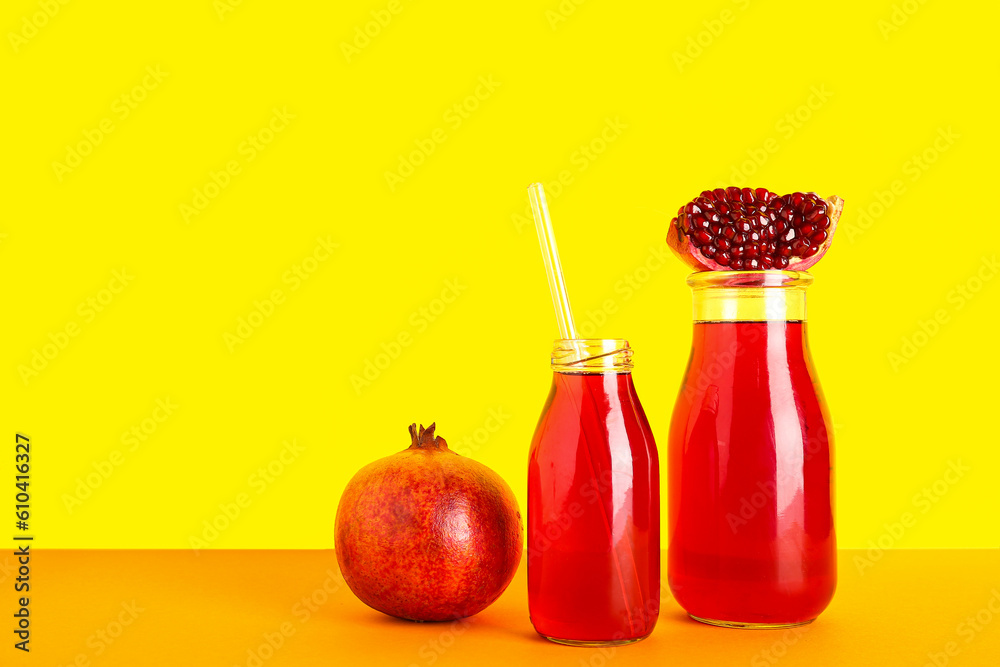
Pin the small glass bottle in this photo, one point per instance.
(593, 502)
(750, 516)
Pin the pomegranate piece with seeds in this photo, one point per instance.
(744, 229)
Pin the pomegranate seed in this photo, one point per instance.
(750, 228)
(814, 215)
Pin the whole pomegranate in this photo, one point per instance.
(744, 229)
(426, 534)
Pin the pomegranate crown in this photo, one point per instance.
(425, 438)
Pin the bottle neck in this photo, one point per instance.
(749, 296)
(749, 330)
(591, 356)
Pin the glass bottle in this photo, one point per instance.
(593, 502)
(750, 516)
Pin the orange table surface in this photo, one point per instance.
(273, 608)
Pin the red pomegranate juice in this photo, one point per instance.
(750, 479)
(593, 513)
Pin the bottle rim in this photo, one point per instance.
(745, 279)
(591, 355)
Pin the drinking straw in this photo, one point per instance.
(550, 254)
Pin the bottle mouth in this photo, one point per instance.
(591, 355)
(738, 279)
(749, 296)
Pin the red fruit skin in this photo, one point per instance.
(428, 535)
(678, 241)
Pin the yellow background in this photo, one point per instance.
(693, 94)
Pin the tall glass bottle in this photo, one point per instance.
(593, 502)
(751, 535)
